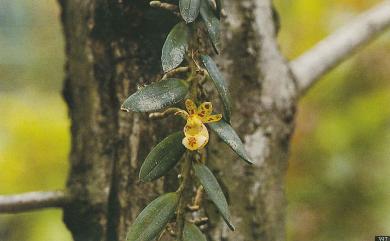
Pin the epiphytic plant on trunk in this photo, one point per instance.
(104, 37)
(184, 46)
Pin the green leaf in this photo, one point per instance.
(175, 47)
(212, 24)
(189, 9)
(153, 219)
(163, 157)
(219, 7)
(230, 137)
(156, 96)
(192, 233)
(214, 191)
(220, 84)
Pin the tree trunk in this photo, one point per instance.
(114, 46)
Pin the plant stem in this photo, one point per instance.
(183, 193)
(198, 196)
(175, 71)
(167, 112)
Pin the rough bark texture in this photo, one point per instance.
(114, 46)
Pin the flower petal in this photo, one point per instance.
(195, 142)
(194, 126)
(212, 118)
(205, 133)
(191, 107)
(205, 109)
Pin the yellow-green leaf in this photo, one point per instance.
(189, 9)
(157, 96)
(220, 84)
(214, 191)
(153, 219)
(163, 157)
(230, 137)
(175, 47)
(212, 24)
(192, 233)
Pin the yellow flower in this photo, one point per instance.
(196, 134)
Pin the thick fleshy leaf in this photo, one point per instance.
(153, 219)
(175, 47)
(192, 233)
(230, 137)
(189, 9)
(212, 24)
(163, 157)
(156, 96)
(214, 191)
(220, 84)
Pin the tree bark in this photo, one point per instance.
(114, 46)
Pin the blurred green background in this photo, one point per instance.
(338, 181)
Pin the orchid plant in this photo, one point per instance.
(182, 56)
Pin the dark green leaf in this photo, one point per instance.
(219, 7)
(157, 96)
(220, 84)
(189, 9)
(153, 219)
(175, 47)
(214, 191)
(230, 137)
(192, 233)
(212, 24)
(163, 157)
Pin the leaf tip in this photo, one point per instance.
(124, 109)
(188, 20)
(217, 48)
(231, 226)
(247, 158)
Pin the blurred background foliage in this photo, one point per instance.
(338, 181)
(34, 127)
